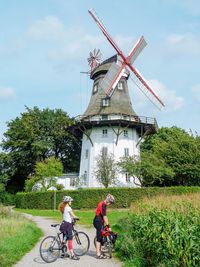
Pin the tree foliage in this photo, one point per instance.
(106, 169)
(170, 157)
(45, 175)
(37, 135)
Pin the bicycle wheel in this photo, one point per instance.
(107, 248)
(81, 243)
(49, 249)
(95, 240)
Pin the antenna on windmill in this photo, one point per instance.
(117, 69)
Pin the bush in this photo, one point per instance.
(162, 237)
(7, 198)
(88, 198)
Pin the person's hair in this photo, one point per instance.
(61, 207)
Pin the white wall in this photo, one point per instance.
(99, 141)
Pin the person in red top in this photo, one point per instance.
(100, 220)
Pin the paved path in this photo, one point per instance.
(33, 259)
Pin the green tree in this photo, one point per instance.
(36, 135)
(106, 169)
(181, 152)
(170, 157)
(147, 169)
(45, 175)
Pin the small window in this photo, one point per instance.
(104, 132)
(106, 102)
(104, 151)
(125, 133)
(86, 153)
(85, 178)
(126, 151)
(104, 117)
(127, 177)
(72, 181)
(120, 86)
(95, 88)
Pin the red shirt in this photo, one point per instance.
(101, 209)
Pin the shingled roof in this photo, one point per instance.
(120, 102)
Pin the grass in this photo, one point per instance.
(177, 203)
(18, 236)
(86, 216)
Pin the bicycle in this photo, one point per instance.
(52, 246)
(108, 241)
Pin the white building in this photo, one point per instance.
(110, 125)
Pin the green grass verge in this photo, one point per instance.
(18, 236)
(86, 216)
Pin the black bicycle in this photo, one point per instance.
(52, 247)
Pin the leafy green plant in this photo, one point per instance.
(162, 237)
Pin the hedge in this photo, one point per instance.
(88, 198)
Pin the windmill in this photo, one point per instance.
(110, 124)
(117, 69)
(94, 59)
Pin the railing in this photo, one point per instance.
(112, 117)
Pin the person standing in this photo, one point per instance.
(100, 220)
(66, 225)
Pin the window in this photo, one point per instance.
(127, 177)
(86, 153)
(104, 151)
(125, 133)
(104, 117)
(126, 152)
(72, 181)
(104, 132)
(106, 102)
(85, 178)
(95, 88)
(120, 86)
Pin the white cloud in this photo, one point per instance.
(187, 44)
(48, 28)
(196, 91)
(171, 100)
(6, 94)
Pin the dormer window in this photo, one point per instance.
(106, 102)
(120, 86)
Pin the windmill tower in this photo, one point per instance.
(109, 124)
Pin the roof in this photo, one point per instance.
(120, 102)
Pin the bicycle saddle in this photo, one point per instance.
(54, 225)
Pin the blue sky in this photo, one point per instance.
(44, 45)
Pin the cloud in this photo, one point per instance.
(187, 44)
(196, 91)
(48, 28)
(171, 100)
(6, 94)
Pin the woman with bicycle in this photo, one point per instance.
(66, 225)
(99, 221)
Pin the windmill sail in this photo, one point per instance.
(146, 89)
(137, 49)
(110, 77)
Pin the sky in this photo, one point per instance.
(44, 46)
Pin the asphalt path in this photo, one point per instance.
(33, 259)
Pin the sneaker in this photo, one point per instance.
(74, 257)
